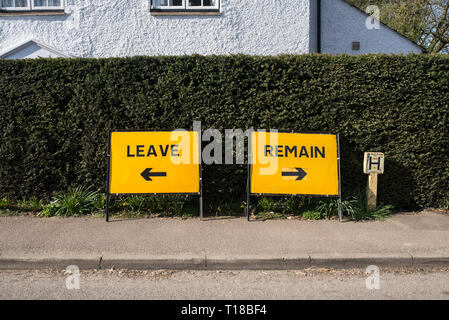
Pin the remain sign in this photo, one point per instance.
(294, 164)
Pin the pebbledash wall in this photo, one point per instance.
(117, 28)
(108, 28)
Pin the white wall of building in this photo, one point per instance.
(342, 24)
(105, 28)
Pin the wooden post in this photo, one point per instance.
(371, 192)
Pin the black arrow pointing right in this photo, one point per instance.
(300, 174)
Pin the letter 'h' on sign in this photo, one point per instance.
(154, 162)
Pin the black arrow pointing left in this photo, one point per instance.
(147, 174)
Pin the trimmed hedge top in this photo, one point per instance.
(55, 115)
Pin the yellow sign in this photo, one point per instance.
(294, 163)
(154, 162)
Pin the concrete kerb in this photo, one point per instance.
(239, 263)
(430, 261)
(351, 261)
(259, 263)
(155, 264)
(56, 264)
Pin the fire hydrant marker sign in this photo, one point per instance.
(294, 164)
(154, 162)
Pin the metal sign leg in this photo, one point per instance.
(201, 207)
(247, 207)
(107, 208)
(340, 216)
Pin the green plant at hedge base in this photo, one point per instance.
(265, 205)
(311, 208)
(77, 201)
(329, 207)
(159, 204)
(225, 206)
(312, 215)
(358, 212)
(137, 204)
(290, 205)
(32, 205)
(6, 203)
(353, 207)
(269, 216)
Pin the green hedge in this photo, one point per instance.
(55, 115)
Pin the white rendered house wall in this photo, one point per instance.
(105, 28)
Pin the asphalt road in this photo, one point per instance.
(296, 285)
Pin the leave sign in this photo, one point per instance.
(154, 162)
(294, 164)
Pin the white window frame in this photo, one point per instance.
(158, 7)
(202, 7)
(186, 7)
(30, 7)
(27, 8)
(45, 8)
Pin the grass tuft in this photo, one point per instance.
(77, 201)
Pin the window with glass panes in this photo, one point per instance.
(186, 4)
(28, 5)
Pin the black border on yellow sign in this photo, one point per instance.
(248, 184)
(108, 194)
